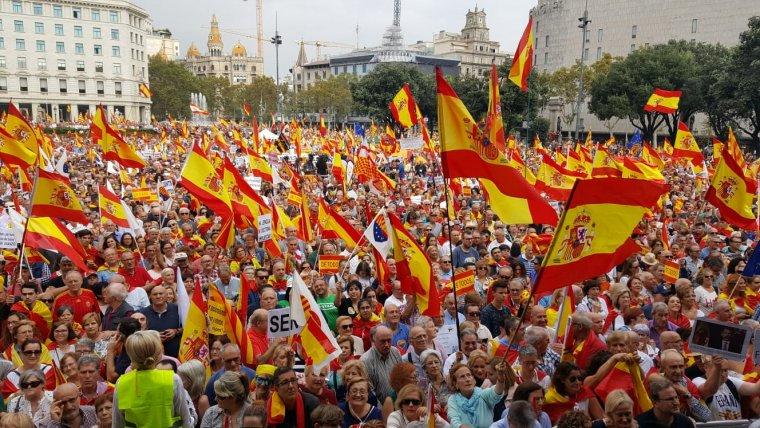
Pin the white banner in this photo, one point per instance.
(281, 324)
(265, 227)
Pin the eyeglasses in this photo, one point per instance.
(574, 379)
(288, 382)
(29, 385)
(262, 277)
(482, 268)
(411, 402)
(473, 314)
(446, 261)
(235, 360)
(33, 352)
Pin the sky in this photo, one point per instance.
(330, 21)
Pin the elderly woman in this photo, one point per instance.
(146, 396)
(193, 375)
(353, 369)
(618, 411)
(104, 410)
(705, 292)
(411, 410)
(33, 400)
(432, 364)
(473, 406)
(620, 297)
(22, 331)
(356, 408)
(31, 353)
(639, 295)
(62, 338)
(231, 393)
(91, 326)
(567, 392)
(70, 368)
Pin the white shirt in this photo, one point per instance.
(723, 405)
(449, 363)
(138, 299)
(705, 298)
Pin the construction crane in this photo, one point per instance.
(320, 44)
(259, 28)
(241, 34)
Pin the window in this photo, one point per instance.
(40, 46)
(1, 24)
(16, 7)
(98, 49)
(114, 34)
(37, 7)
(100, 87)
(99, 67)
(39, 28)
(546, 57)
(62, 84)
(23, 84)
(18, 26)
(353, 69)
(598, 52)
(117, 88)
(58, 11)
(58, 29)
(82, 86)
(96, 33)
(20, 44)
(599, 35)
(117, 68)
(43, 85)
(546, 43)
(634, 31)
(61, 65)
(80, 65)
(364, 68)
(3, 83)
(21, 62)
(115, 51)
(2, 62)
(694, 23)
(113, 16)
(78, 31)
(95, 14)
(79, 48)
(76, 12)
(41, 64)
(60, 47)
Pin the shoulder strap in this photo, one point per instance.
(733, 389)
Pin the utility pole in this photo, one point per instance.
(277, 41)
(584, 21)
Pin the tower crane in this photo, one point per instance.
(319, 44)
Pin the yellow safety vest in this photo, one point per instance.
(147, 398)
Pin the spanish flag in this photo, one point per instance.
(334, 226)
(466, 152)
(494, 122)
(595, 231)
(111, 208)
(247, 109)
(194, 344)
(316, 339)
(224, 320)
(17, 126)
(686, 146)
(650, 156)
(322, 127)
(522, 62)
(145, 90)
(626, 376)
(734, 149)
(200, 178)
(732, 193)
(403, 107)
(663, 101)
(555, 180)
(637, 169)
(339, 171)
(111, 142)
(246, 203)
(576, 162)
(49, 234)
(53, 195)
(260, 167)
(517, 162)
(14, 152)
(605, 165)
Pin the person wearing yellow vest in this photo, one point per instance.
(146, 396)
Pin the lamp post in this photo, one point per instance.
(584, 21)
(277, 41)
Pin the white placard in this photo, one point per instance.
(254, 182)
(438, 180)
(410, 143)
(281, 324)
(265, 227)
(416, 199)
(447, 337)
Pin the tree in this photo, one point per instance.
(517, 106)
(261, 94)
(171, 84)
(742, 85)
(332, 95)
(376, 89)
(215, 89)
(473, 91)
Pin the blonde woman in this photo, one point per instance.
(411, 410)
(618, 411)
(147, 396)
(193, 375)
(231, 393)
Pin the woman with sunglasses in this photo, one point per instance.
(411, 410)
(705, 292)
(482, 278)
(733, 290)
(31, 351)
(567, 392)
(62, 339)
(33, 399)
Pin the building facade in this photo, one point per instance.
(63, 58)
(160, 42)
(472, 46)
(237, 67)
(619, 27)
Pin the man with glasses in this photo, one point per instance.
(692, 263)
(419, 340)
(66, 410)
(734, 248)
(297, 409)
(257, 331)
(472, 313)
(672, 366)
(110, 266)
(231, 362)
(135, 276)
(446, 271)
(465, 252)
(665, 410)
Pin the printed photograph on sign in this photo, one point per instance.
(713, 337)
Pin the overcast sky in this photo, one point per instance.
(330, 21)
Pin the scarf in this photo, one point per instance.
(276, 410)
(555, 404)
(468, 406)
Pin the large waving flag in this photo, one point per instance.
(636, 169)
(732, 193)
(494, 122)
(403, 107)
(466, 152)
(576, 161)
(223, 320)
(112, 143)
(21, 130)
(522, 62)
(247, 205)
(334, 226)
(650, 156)
(316, 339)
(686, 146)
(53, 195)
(260, 167)
(49, 234)
(516, 161)
(378, 233)
(14, 152)
(605, 165)
(366, 171)
(322, 127)
(626, 376)
(194, 344)
(201, 179)
(554, 179)
(663, 101)
(595, 232)
(111, 207)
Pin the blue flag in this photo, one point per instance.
(635, 139)
(358, 129)
(753, 264)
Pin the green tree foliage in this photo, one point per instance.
(171, 84)
(376, 89)
(332, 95)
(741, 88)
(261, 94)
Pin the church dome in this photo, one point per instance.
(192, 51)
(239, 50)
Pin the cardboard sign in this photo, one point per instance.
(281, 324)
(713, 337)
(465, 282)
(329, 263)
(144, 194)
(265, 227)
(672, 271)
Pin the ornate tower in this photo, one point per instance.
(475, 26)
(215, 44)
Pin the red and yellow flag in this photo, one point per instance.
(53, 195)
(672, 271)
(605, 165)
(636, 169)
(577, 162)
(663, 101)
(466, 152)
(316, 339)
(145, 90)
(322, 127)
(403, 107)
(334, 226)
(112, 144)
(650, 156)
(626, 376)
(201, 179)
(522, 62)
(49, 234)
(194, 344)
(595, 231)
(17, 126)
(223, 320)
(246, 203)
(686, 146)
(555, 180)
(733, 193)
(247, 109)
(494, 122)
(14, 152)
(111, 207)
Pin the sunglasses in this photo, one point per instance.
(574, 379)
(473, 314)
(262, 277)
(47, 300)
(411, 402)
(32, 384)
(33, 352)
(347, 326)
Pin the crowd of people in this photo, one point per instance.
(101, 347)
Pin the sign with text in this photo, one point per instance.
(672, 271)
(144, 194)
(265, 227)
(329, 263)
(464, 282)
(281, 324)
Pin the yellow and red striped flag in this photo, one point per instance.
(733, 193)
(201, 179)
(111, 207)
(322, 127)
(555, 180)
(494, 122)
(316, 339)
(49, 234)
(334, 226)
(14, 152)
(672, 271)
(686, 146)
(223, 320)
(17, 126)
(194, 344)
(636, 169)
(53, 195)
(260, 167)
(605, 165)
(663, 101)
(626, 376)
(577, 162)
(247, 109)
(246, 203)
(595, 231)
(112, 143)
(650, 156)
(404, 108)
(145, 90)
(522, 62)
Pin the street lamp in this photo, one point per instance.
(277, 41)
(584, 21)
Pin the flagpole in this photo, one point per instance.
(451, 256)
